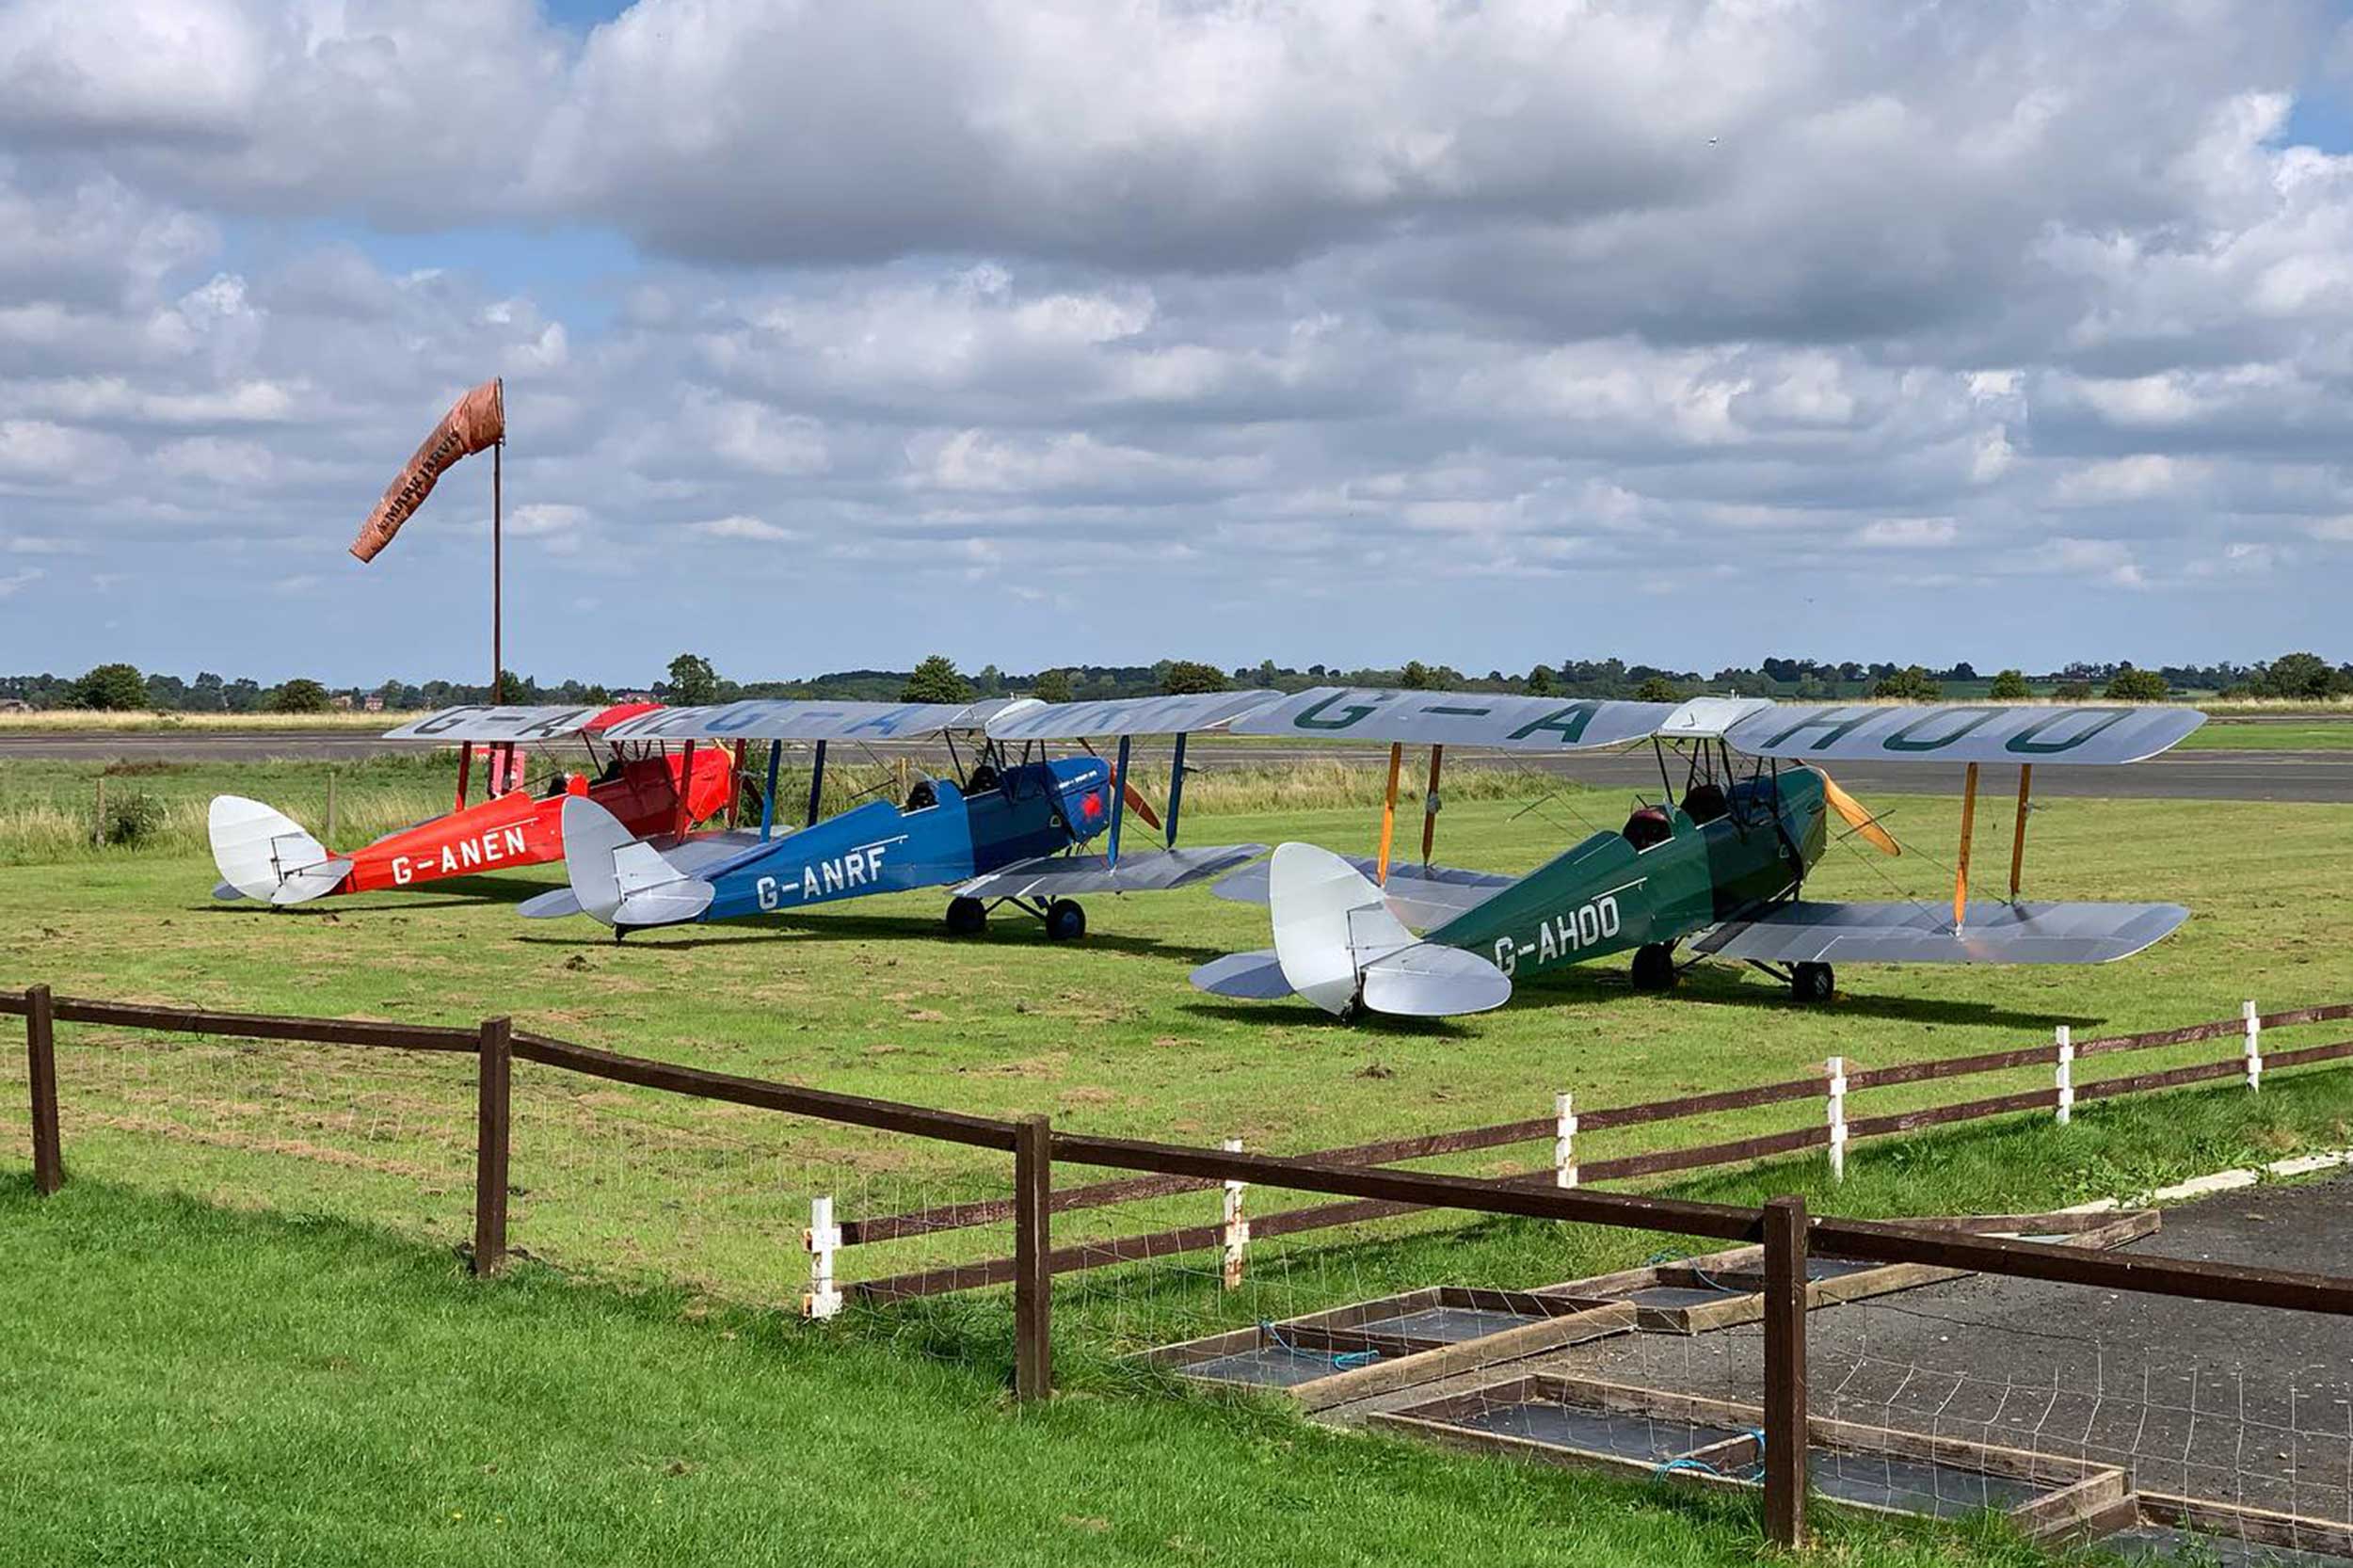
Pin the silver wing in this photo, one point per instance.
(1126, 715)
(691, 855)
(1421, 896)
(812, 719)
(1962, 733)
(1068, 876)
(1811, 933)
(483, 721)
(1454, 718)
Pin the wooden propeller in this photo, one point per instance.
(1142, 807)
(1856, 817)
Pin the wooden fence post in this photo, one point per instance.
(823, 1240)
(1784, 1372)
(98, 814)
(41, 1061)
(495, 1068)
(1033, 1265)
(1837, 1070)
(2254, 1046)
(332, 825)
(2065, 1040)
(1237, 1227)
(1563, 1139)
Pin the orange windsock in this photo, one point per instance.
(476, 421)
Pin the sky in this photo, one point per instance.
(1100, 331)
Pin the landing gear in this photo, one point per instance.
(1655, 967)
(1812, 982)
(1065, 921)
(966, 916)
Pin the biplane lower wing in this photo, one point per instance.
(1806, 932)
(1052, 876)
(690, 857)
(1421, 896)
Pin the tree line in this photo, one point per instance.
(692, 678)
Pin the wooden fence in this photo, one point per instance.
(1232, 1232)
(1370, 1188)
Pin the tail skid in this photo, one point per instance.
(1339, 945)
(261, 853)
(621, 881)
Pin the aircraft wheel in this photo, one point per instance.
(1065, 921)
(1654, 968)
(1812, 982)
(966, 916)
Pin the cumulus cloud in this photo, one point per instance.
(1201, 323)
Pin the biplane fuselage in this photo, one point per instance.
(1607, 895)
(1032, 810)
(526, 828)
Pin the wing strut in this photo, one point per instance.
(465, 771)
(2018, 834)
(685, 793)
(1430, 805)
(1119, 801)
(735, 782)
(816, 783)
(1968, 826)
(768, 801)
(1176, 785)
(1388, 809)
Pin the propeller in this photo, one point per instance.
(1861, 820)
(1136, 804)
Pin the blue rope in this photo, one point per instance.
(1341, 1360)
(1751, 1473)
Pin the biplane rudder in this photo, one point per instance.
(264, 853)
(1339, 946)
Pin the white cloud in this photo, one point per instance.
(15, 581)
(1908, 534)
(742, 527)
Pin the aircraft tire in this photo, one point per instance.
(1654, 968)
(1813, 983)
(966, 916)
(1066, 921)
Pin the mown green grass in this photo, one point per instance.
(183, 1385)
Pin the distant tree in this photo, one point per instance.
(1052, 686)
(2072, 691)
(204, 695)
(518, 688)
(1540, 681)
(2008, 686)
(119, 688)
(1416, 676)
(1186, 675)
(2297, 674)
(167, 693)
(2131, 686)
(935, 680)
(693, 681)
(990, 681)
(1657, 688)
(302, 695)
(1962, 671)
(1910, 684)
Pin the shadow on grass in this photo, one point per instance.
(457, 892)
(1026, 935)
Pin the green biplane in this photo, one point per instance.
(1719, 864)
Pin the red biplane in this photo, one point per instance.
(264, 853)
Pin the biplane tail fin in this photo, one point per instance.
(261, 853)
(621, 880)
(1339, 946)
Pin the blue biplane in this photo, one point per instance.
(1012, 828)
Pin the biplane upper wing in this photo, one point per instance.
(1806, 932)
(1961, 732)
(1125, 715)
(813, 719)
(1421, 896)
(479, 722)
(1454, 718)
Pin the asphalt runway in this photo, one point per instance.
(2255, 775)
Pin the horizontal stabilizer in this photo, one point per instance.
(1421, 896)
(1430, 981)
(1251, 976)
(1991, 933)
(620, 881)
(257, 848)
(553, 904)
(1069, 875)
(310, 881)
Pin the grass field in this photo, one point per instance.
(625, 1188)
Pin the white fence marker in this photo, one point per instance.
(1563, 1139)
(2066, 1074)
(1836, 1069)
(823, 1239)
(2255, 1047)
(1237, 1228)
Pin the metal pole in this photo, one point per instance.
(1784, 1372)
(1033, 1266)
(498, 560)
